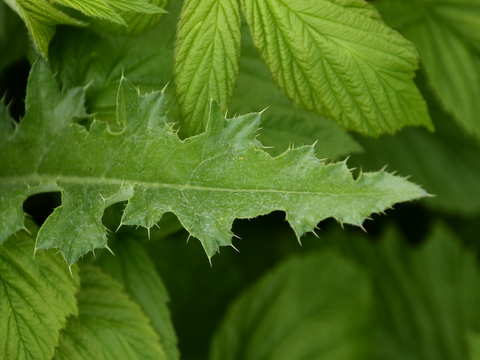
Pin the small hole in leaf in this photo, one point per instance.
(40, 206)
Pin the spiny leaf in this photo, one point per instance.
(312, 307)
(446, 34)
(206, 58)
(82, 57)
(109, 325)
(207, 180)
(36, 296)
(132, 267)
(337, 58)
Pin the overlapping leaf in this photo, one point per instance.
(314, 307)
(137, 22)
(425, 297)
(37, 294)
(83, 57)
(283, 124)
(206, 58)
(207, 180)
(109, 324)
(336, 57)
(133, 268)
(42, 16)
(449, 152)
(446, 34)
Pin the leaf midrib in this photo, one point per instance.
(45, 180)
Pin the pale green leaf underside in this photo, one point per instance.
(447, 35)
(137, 22)
(337, 58)
(206, 58)
(42, 16)
(314, 307)
(109, 325)
(207, 180)
(36, 296)
(107, 9)
(133, 268)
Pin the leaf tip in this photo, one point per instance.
(110, 250)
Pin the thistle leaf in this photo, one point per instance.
(206, 180)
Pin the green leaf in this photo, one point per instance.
(207, 180)
(83, 57)
(106, 9)
(426, 297)
(474, 345)
(337, 58)
(446, 34)
(449, 152)
(132, 267)
(283, 124)
(137, 22)
(37, 293)
(206, 59)
(41, 18)
(141, 6)
(109, 325)
(94, 8)
(312, 307)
